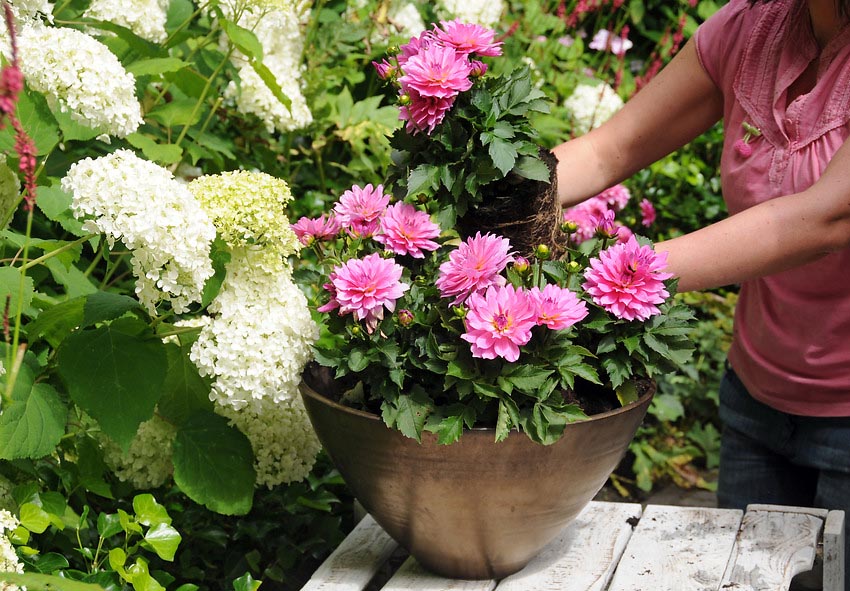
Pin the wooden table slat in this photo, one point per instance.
(772, 547)
(353, 564)
(678, 548)
(412, 577)
(584, 555)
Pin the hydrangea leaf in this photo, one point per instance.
(33, 427)
(214, 464)
(185, 390)
(115, 377)
(56, 205)
(37, 120)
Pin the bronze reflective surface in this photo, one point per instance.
(475, 509)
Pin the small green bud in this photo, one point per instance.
(569, 226)
(542, 252)
(355, 330)
(404, 100)
(459, 311)
(393, 49)
(573, 267)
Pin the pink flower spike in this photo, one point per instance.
(406, 230)
(647, 213)
(468, 38)
(359, 209)
(556, 307)
(310, 230)
(473, 266)
(499, 322)
(364, 287)
(627, 280)
(437, 71)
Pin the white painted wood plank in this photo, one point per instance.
(584, 555)
(833, 552)
(678, 549)
(412, 577)
(355, 561)
(772, 547)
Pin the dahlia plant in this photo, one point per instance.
(438, 329)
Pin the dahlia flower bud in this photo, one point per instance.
(404, 100)
(405, 317)
(521, 265)
(542, 252)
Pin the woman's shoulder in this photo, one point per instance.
(722, 39)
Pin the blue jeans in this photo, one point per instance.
(767, 456)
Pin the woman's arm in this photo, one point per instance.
(675, 107)
(773, 236)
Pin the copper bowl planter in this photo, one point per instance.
(475, 509)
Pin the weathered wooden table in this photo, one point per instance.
(622, 547)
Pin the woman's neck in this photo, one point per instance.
(826, 22)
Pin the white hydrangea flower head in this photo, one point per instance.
(591, 105)
(147, 463)
(282, 438)
(146, 18)
(79, 75)
(27, 11)
(9, 561)
(248, 208)
(155, 216)
(279, 26)
(480, 12)
(10, 190)
(258, 340)
(403, 20)
(253, 97)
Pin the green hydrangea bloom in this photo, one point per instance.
(248, 208)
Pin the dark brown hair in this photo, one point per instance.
(843, 7)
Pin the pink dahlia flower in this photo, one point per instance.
(624, 233)
(436, 71)
(473, 266)
(364, 287)
(585, 216)
(309, 230)
(556, 307)
(424, 113)
(617, 196)
(414, 46)
(360, 208)
(628, 280)
(647, 212)
(468, 38)
(499, 322)
(406, 230)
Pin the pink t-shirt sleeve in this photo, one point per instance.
(721, 40)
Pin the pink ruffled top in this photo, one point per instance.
(791, 346)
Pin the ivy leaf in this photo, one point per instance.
(43, 582)
(115, 377)
(164, 540)
(149, 512)
(214, 464)
(32, 428)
